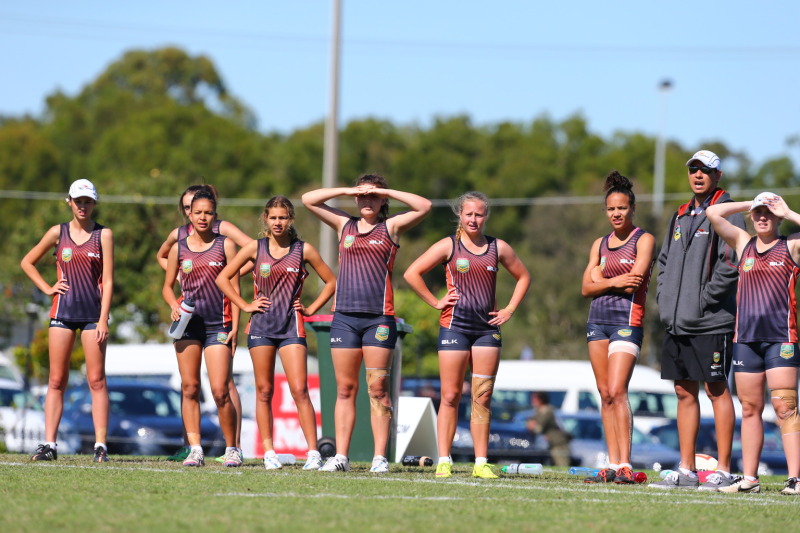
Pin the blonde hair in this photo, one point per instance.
(458, 205)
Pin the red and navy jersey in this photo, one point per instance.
(474, 276)
(187, 229)
(616, 308)
(366, 261)
(82, 266)
(280, 280)
(198, 274)
(766, 308)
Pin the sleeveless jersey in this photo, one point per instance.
(615, 308)
(198, 272)
(82, 266)
(475, 278)
(366, 261)
(280, 280)
(187, 229)
(766, 308)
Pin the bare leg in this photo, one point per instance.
(378, 357)
(485, 361)
(96, 377)
(218, 363)
(60, 344)
(264, 373)
(688, 420)
(724, 421)
(786, 378)
(346, 365)
(294, 362)
(190, 354)
(452, 369)
(598, 355)
(750, 389)
(620, 369)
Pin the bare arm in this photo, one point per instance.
(322, 269)
(230, 254)
(170, 277)
(234, 233)
(28, 263)
(107, 242)
(231, 271)
(333, 217)
(512, 263)
(734, 236)
(166, 246)
(435, 255)
(594, 285)
(398, 224)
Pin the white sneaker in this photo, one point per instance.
(232, 458)
(271, 462)
(335, 464)
(195, 458)
(314, 461)
(379, 465)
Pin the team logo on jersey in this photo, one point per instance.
(748, 264)
(186, 266)
(676, 235)
(602, 262)
(462, 265)
(349, 240)
(496, 336)
(222, 336)
(66, 255)
(625, 332)
(716, 357)
(787, 350)
(265, 270)
(382, 333)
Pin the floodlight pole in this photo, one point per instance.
(658, 173)
(330, 157)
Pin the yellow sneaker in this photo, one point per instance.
(444, 470)
(483, 471)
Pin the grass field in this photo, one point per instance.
(149, 494)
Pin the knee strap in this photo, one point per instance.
(376, 407)
(481, 386)
(791, 422)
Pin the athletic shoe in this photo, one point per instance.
(334, 464)
(483, 471)
(676, 480)
(271, 462)
(606, 475)
(791, 487)
(444, 470)
(233, 458)
(44, 453)
(380, 465)
(195, 458)
(220, 459)
(717, 480)
(314, 461)
(743, 485)
(180, 455)
(100, 455)
(624, 476)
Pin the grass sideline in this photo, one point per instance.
(150, 494)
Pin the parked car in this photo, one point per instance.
(773, 460)
(22, 421)
(144, 419)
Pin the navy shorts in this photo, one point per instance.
(196, 330)
(254, 341)
(704, 358)
(755, 357)
(356, 330)
(603, 332)
(455, 340)
(73, 325)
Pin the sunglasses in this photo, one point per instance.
(705, 170)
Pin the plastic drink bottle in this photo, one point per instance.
(417, 460)
(525, 468)
(583, 471)
(286, 458)
(179, 326)
(639, 477)
(664, 473)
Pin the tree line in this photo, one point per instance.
(159, 120)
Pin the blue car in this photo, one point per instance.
(144, 419)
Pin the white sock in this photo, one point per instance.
(52, 444)
(101, 444)
(480, 461)
(312, 453)
(270, 453)
(751, 479)
(613, 466)
(724, 473)
(687, 472)
(623, 465)
(445, 460)
(197, 448)
(342, 457)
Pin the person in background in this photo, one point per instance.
(228, 229)
(276, 325)
(616, 278)
(696, 297)
(544, 422)
(469, 324)
(364, 326)
(765, 349)
(82, 293)
(199, 258)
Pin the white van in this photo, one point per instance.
(572, 388)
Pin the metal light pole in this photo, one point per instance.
(658, 174)
(330, 158)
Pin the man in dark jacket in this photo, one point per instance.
(697, 302)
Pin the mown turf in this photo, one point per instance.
(149, 494)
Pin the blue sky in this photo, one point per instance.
(735, 65)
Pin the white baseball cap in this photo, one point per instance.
(708, 158)
(82, 188)
(761, 199)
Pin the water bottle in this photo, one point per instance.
(639, 477)
(417, 460)
(525, 468)
(286, 458)
(583, 471)
(664, 473)
(179, 326)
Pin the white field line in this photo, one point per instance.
(42, 464)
